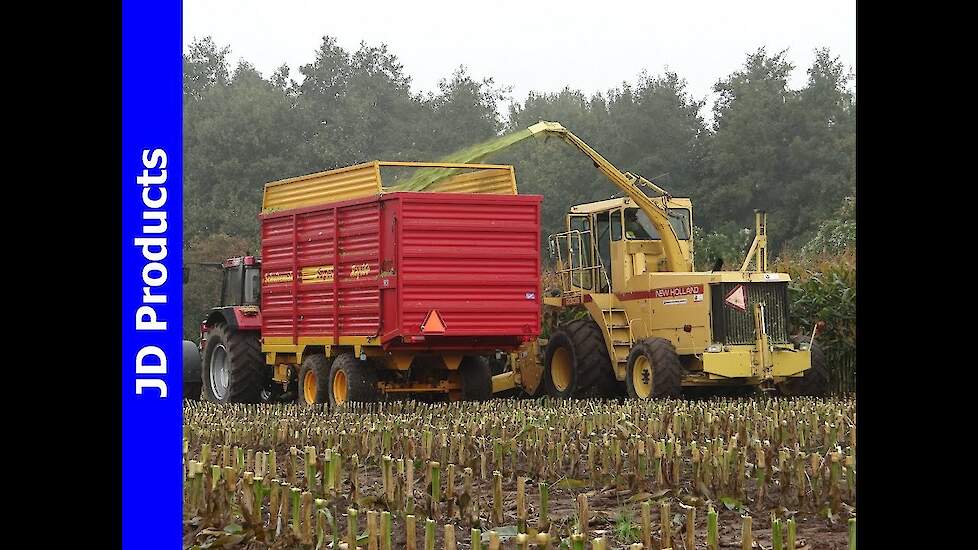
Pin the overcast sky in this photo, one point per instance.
(534, 45)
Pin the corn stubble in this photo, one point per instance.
(517, 474)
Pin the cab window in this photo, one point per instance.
(252, 289)
(638, 226)
(603, 241)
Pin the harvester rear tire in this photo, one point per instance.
(583, 368)
(192, 381)
(243, 364)
(815, 381)
(660, 368)
(476, 375)
(352, 380)
(313, 380)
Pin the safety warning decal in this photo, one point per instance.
(737, 298)
(433, 323)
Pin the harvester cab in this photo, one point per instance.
(599, 233)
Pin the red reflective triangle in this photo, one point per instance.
(737, 298)
(433, 324)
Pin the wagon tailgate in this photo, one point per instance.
(473, 258)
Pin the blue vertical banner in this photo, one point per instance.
(152, 282)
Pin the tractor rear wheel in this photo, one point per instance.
(351, 380)
(476, 377)
(192, 382)
(653, 370)
(232, 370)
(815, 381)
(576, 362)
(313, 380)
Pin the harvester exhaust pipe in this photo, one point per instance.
(758, 248)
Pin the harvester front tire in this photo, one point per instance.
(654, 370)
(815, 381)
(476, 375)
(232, 369)
(313, 380)
(576, 362)
(192, 381)
(351, 380)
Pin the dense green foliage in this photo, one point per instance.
(837, 233)
(768, 146)
(823, 288)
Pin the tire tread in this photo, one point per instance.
(245, 364)
(667, 371)
(815, 381)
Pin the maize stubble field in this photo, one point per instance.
(508, 473)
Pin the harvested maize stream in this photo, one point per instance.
(508, 473)
(480, 152)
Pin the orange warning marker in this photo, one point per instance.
(433, 323)
(737, 298)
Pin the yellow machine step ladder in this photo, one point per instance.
(620, 331)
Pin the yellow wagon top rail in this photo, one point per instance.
(363, 180)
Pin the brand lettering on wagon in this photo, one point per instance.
(278, 277)
(359, 270)
(317, 274)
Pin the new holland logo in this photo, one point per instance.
(737, 298)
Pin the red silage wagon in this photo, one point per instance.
(368, 291)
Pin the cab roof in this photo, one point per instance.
(608, 204)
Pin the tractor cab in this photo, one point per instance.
(608, 242)
(241, 282)
(240, 299)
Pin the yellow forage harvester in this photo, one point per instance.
(650, 325)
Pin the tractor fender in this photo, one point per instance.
(235, 317)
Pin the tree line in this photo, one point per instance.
(788, 151)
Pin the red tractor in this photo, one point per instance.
(228, 365)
